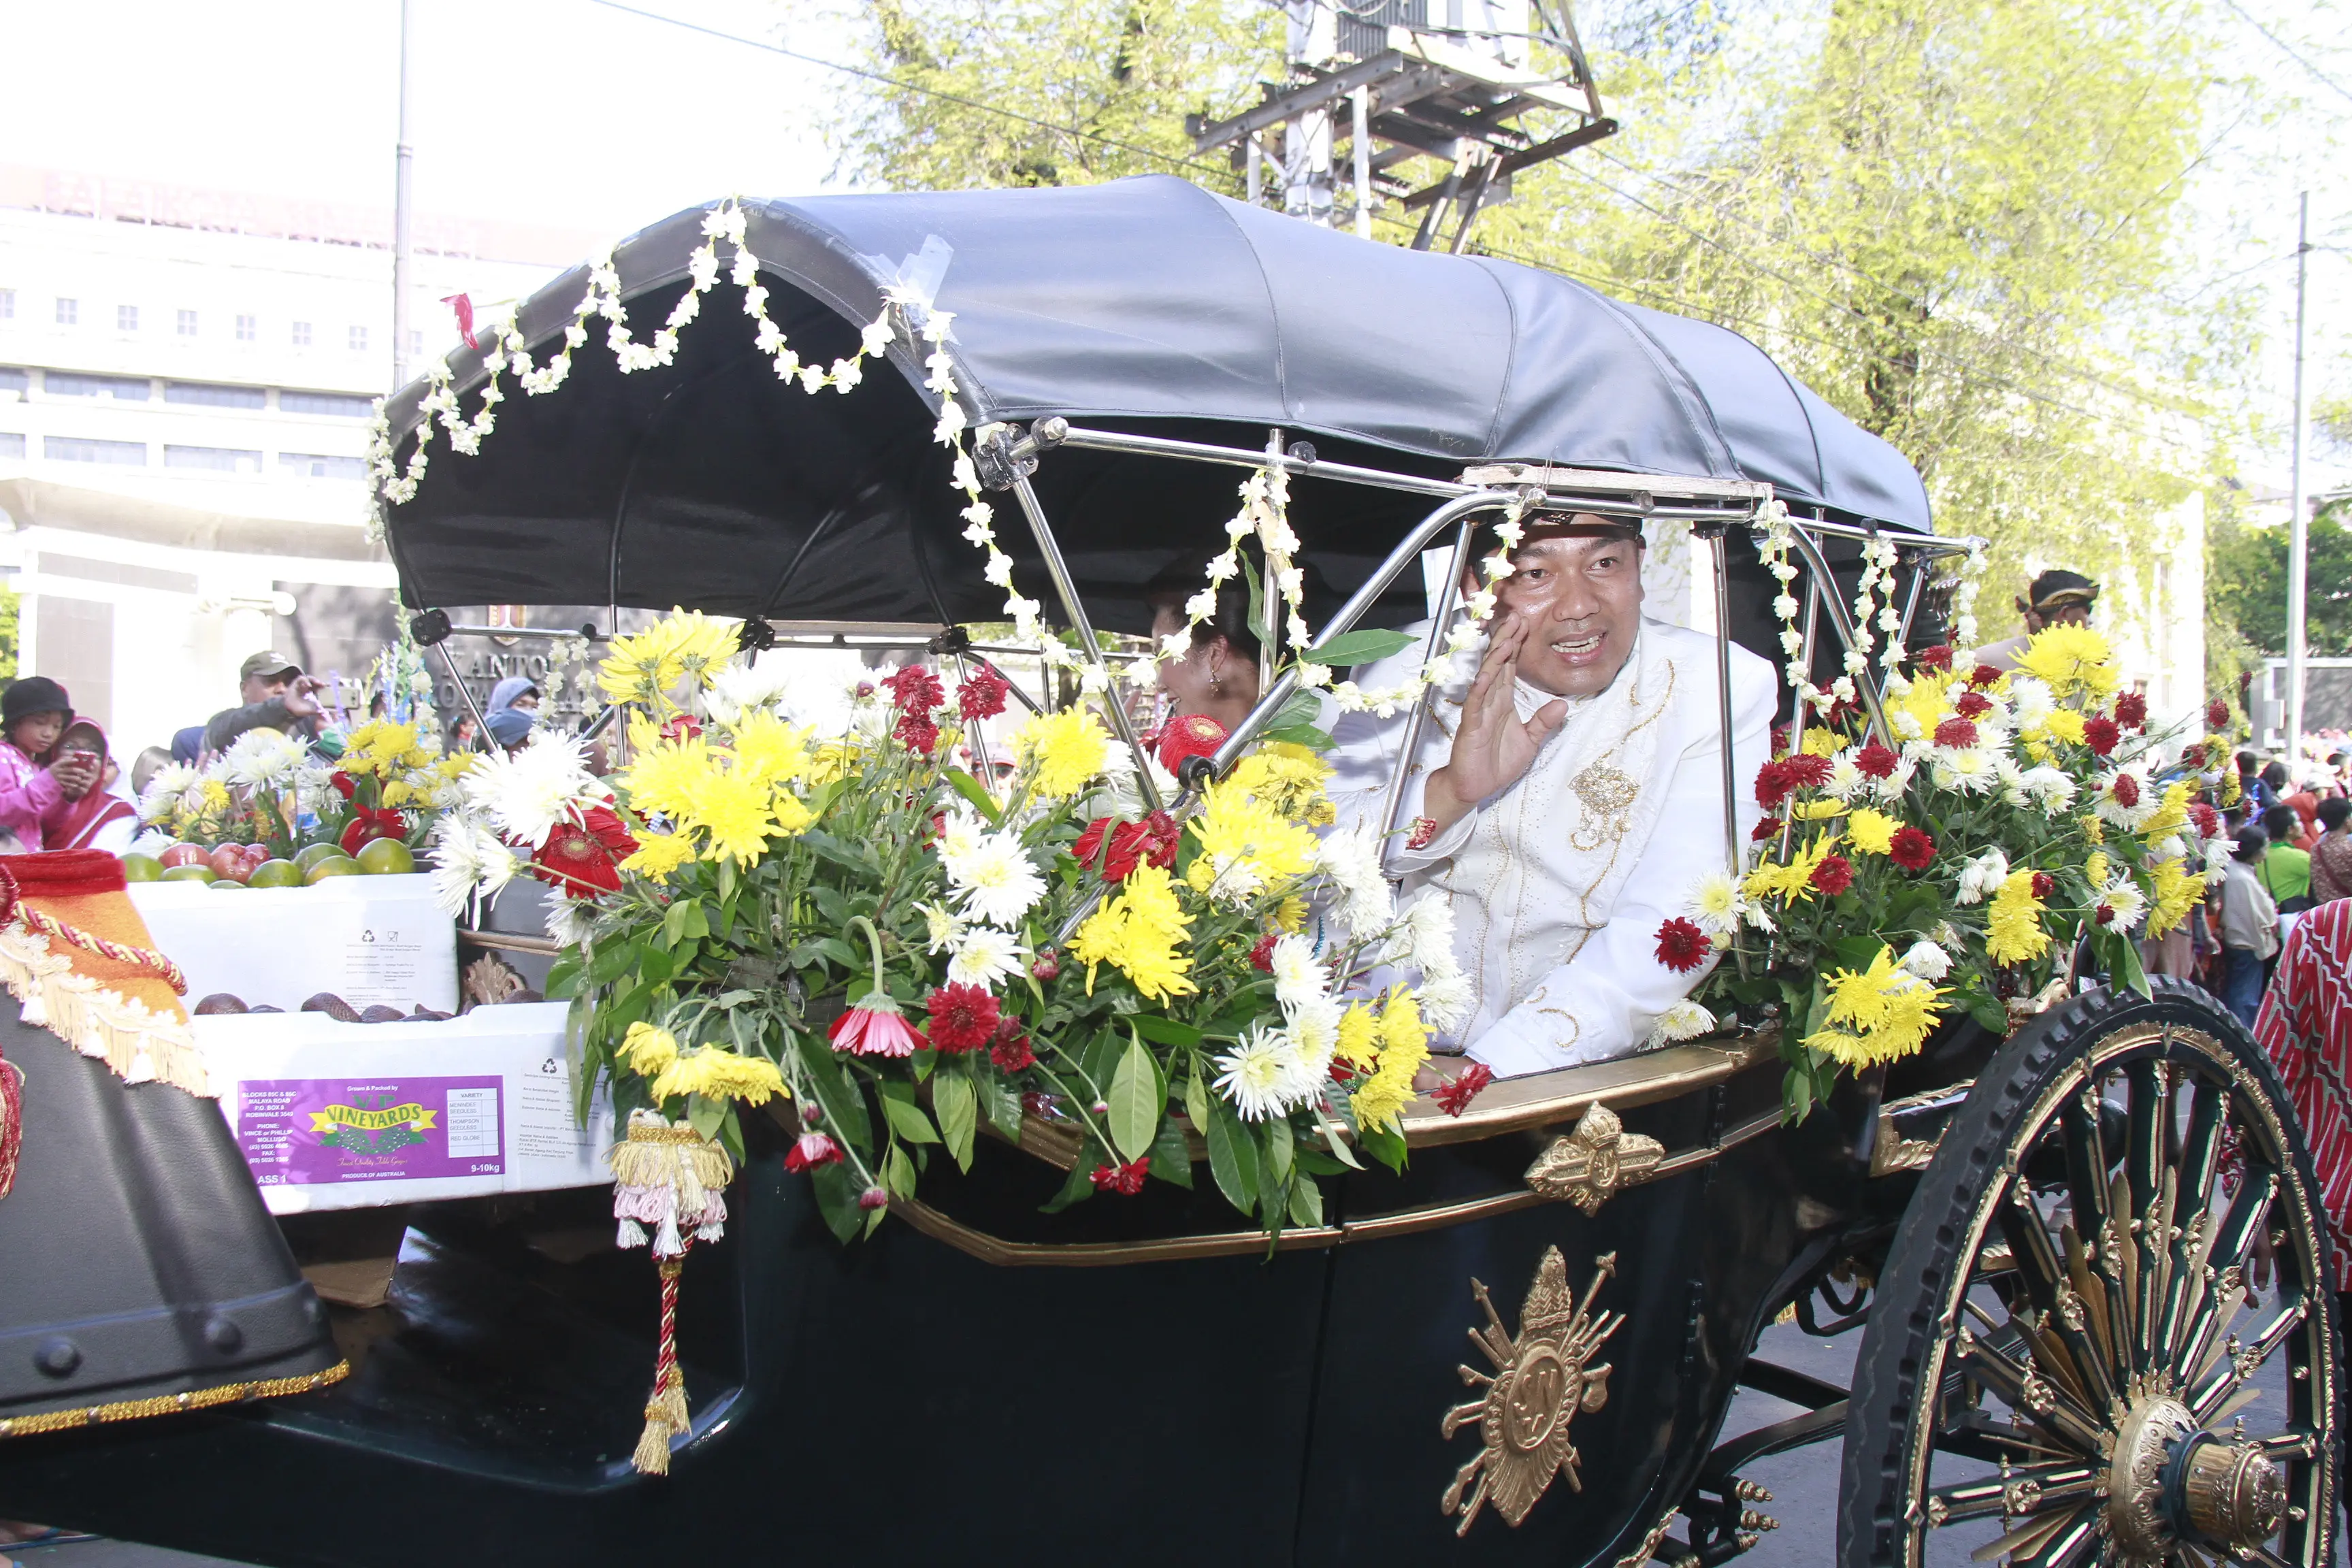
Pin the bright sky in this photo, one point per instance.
(554, 111)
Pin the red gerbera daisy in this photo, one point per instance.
(1189, 735)
(583, 858)
(1682, 946)
(2099, 732)
(982, 694)
(683, 727)
(1117, 1178)
(2131, 710)
(872, 1026)
(1833, 876)
(1154, 839)
(1957, 733)
(369, 823)
(1876, 761)
(915, 689)
(963, 1017)
(1455, 1097)
(1913, 848)
(342, 783)
(1972, 705)
(810, 1150)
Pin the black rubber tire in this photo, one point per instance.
(1900, 1343)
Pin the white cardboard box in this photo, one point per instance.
(369, 940)
(331, 1115)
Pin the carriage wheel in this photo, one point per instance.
(2071, 1323)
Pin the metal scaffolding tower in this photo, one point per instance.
(1398, 79)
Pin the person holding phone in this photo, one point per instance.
(33, 713)
(277, 696)
(96, 817)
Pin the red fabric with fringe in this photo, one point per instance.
(2306, 1026)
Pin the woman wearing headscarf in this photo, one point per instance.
(95, 817)
(514, 708)
(34, 712)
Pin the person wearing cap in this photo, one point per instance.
(277, 696)
(513, 710)
(34, 783)
(1565, 798)
(2056, 598)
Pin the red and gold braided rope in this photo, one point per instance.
(122, 952)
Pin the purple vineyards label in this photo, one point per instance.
(307, 1131)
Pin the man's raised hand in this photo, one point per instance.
(1493, 746)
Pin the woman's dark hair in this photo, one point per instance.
(2333, 811)
(2275, 776)
(2252, 844)
(2279, 821)
(1175, 584)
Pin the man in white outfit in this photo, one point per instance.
(1567, 798)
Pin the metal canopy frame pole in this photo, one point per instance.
(1066, 588)
(1826, 586)
(1413, 726)
(1723, 698)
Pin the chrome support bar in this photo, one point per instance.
(1412, 727)
(1826, 583)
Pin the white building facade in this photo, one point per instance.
(186, 392)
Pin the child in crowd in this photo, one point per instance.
(2248, 925)
(34, 712)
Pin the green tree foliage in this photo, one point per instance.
(1022, 93)
(2246, 583)
(9, 605)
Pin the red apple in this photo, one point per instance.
(184, 855)
(229, 864)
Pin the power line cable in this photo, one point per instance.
(2289, 51)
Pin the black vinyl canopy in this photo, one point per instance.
(1145, 305)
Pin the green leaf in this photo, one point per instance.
(855, 857)
(1306, 735)
(1301, 707)
(705, 1115)
(1196, 1101)
(830, 905)
(1359, 647)
(1260, 619)
(965, 784)
(1076, 1188)
(1136, 1100)
(613, 961)
(1306, 1202)
(958, 1108)
(1278, 1147)
(1165, 1031)
(1171, 1161)
(1233, 1157)
(1384, 1144)
(836, 1199)
(563, 977)
(898, 1172)
(1987, 1010)
(836, 1092)
(1340, 1150)
(653, 965)
(907, 1118)
(2123, 965)
(1003, 1102)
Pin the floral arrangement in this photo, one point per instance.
(853, 923)
(1900, 880)
(272, 790)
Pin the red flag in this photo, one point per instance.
(464, 305)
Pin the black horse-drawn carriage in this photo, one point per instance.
(2048, 1243)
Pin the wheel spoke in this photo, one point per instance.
(2193, 1195)
(2022, 1491)
(2064, 1324)
(2148, 1212)
(2239, 1366)
(2029, 1393)
(2075, 1541)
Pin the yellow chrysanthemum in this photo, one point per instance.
(659, 854)
(1794, 879)
(1360, 1030)
(1290, 915)
(702, 644)
(2071, 659)
(215, 797)
(832, 762)
(2094, 831)
(717, 1074)
(1872, 832)
(642, 668)
(1820, 810)
(2177, 894)
(2064, 724)
(767, 748)
(2015, 932)
(2039, 749)
(1067, 749)
(1819, 743)
(793, 814)
(1925, 702)
(668, 774)
(398, 792)
(1877, 1014)
(1138, 933)
(648, 1050)
(1245, 844)
(2233, 791)
(737, 815)
(2096, 868)
(1404, 1047)
(2171, 816)
(1289, 778)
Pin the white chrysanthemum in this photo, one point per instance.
(2122, 896)
(1895, 784)
(526, 793)
(1352, 861)
(985, 956)
(1906, 725)
(2048, 788)
(749, 686)
(995, 882)
(1716, 904)
(946, 926)
(1982, 876)
(1313, 1027)
(1685, 1020)
(467, 857)
(1925, 959)
(266, 758)
(1254, 1074)
(1445, 998)
(1298, 974)
(1424, 937)
(2030, 702)
(164, 790)
(568, 921)
(1968, 770)
(960, 833)
(1121, 795)
(1844, 778)
(2012, 782)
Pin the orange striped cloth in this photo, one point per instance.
(78, 960)
(2306, 1026)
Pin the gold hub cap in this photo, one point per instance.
(2231, 1494)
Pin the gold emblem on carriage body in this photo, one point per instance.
(1588, 1165)
(1543, 1377)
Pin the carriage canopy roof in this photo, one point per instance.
(1146, 304)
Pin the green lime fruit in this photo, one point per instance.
(228, 882)
(332, 865)
(141, 868)
(310, 855)
(276, 874)
(186, 874)
(385, 857)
